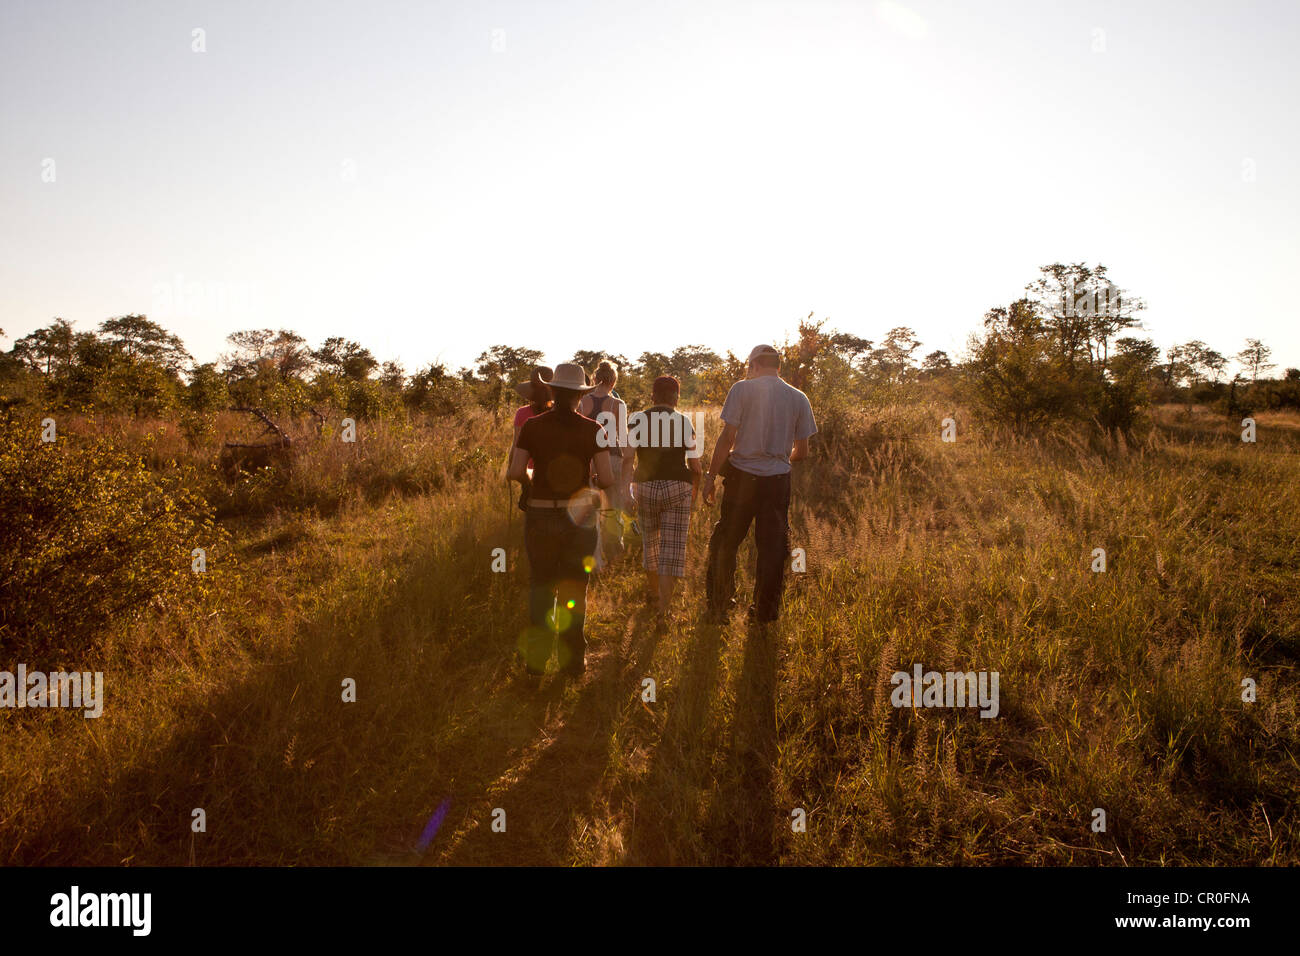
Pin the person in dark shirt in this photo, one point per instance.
(667, 469)
(560, 521)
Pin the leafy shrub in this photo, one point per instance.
(398, 455)
(88, 535)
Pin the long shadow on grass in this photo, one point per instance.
(554, 788)
(286, 772)
(664, 825)
(742, 819)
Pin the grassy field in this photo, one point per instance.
(1119, 690)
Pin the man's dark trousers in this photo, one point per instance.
(763, 500)
(557, 550)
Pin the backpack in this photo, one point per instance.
(598, 406)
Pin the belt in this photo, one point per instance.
(559, 502)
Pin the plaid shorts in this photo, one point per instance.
(664, 509)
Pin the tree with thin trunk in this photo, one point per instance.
(1255, 358)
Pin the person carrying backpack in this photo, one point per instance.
(610, 411)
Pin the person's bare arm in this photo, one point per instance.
(513, 442)
(627, 455)
(607, 442)
(693, 463)
(604, 473)
(518, 470)
(726, 441)
(800, 450)
(625, 478)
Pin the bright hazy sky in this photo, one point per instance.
(433, 178)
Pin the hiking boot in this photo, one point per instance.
(521, 661)
(718, 615)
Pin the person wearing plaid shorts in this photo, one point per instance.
(665, 509)
(667, 470)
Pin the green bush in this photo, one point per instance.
(88, 535)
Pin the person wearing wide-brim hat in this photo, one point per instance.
(537, 390)
(560, 520)
(537, 393)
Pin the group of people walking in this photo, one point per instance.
(583, 464)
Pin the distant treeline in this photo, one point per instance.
(1066, 349)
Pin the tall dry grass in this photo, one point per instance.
(1119, 691)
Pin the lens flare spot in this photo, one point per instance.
(589, 564)
(431, 828)
(571, 604)
(560, 619)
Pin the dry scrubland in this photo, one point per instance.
(1118, 690)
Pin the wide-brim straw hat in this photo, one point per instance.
(528, 390)
(570, 376)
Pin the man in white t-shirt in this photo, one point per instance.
(766, 425)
